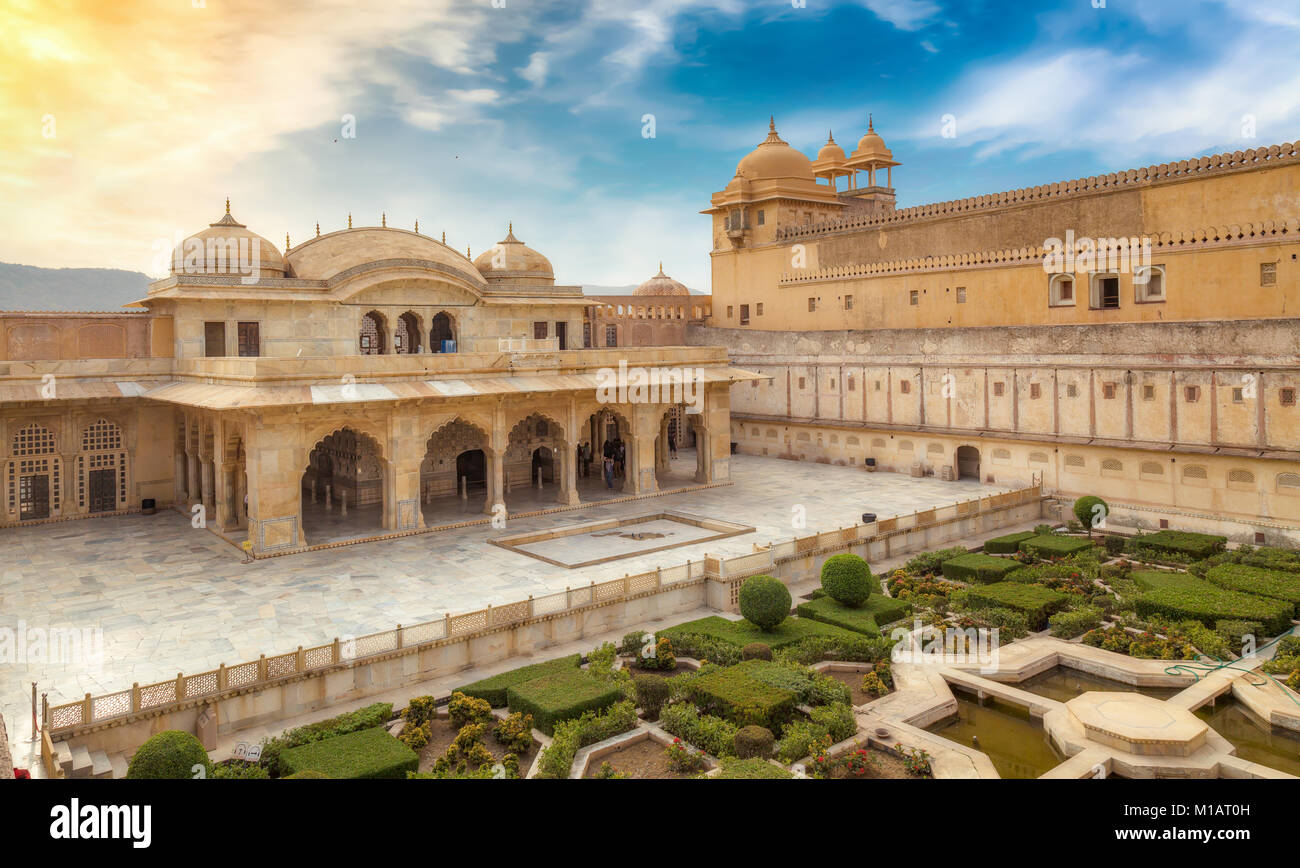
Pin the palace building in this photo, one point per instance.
(1132, 335)
(363, 383)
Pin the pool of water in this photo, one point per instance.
(1015, 742)
(1254, 739)
(1063, 684)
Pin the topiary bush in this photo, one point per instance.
(651, 693)
(754, 741)
(1085, 510)
(1115, 545)
(170, 755)
(847, 579)
(764, 601)
(465, 710)
(756, 651)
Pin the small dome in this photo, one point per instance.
(512, 261)
(830, 152)
(872, 146)
(774, 158)
(661, 284)
(325, 257)
(227, 248)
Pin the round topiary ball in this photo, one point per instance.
(1086, 511)
(756, 651)
(753, 741)
(764, 601)
(847, 579)
(170, 755)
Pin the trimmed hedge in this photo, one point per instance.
(494, 689)
(170, 755)
(556, 760)
(978, 567)
(1276, 584)
(828, 611)
(734, 694)
(560, 696)
(1180, 596)
(1009, 544)
(369, 717)
(1054, 546)
(1195, 545)
(741, 633)
(1035, 601)
(366, 754)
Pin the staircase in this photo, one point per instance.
(79, 762)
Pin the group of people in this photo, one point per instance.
(614, 457)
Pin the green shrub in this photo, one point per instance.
(465, 710)
(1270, 558)
(1067, 625)
(1086, 511)
(415, 736)
(978, 567)
(754, 741)
(848, 646)
(632, 643)
(764, 601)
(709, 648)
(237, 770)
(756, 651)
(571, 735)
(1035, 601)
(1234, 632)
(651, 693)
(367, 754)
(1115, 545)
(1277, 584)
(1179, 596)
(1194, 545)
(369, 717)
(873, 684)
(798, 738)
(735, 694)
(1053, 546)
(847, 579)
(170, 755)
(1007, 545)
(838, 720)
(560, 695)
(738, 634)
(494, 688)
(751, 770)
(830, 611)
(931, 562)
(419, 710)
(1010, 623)
(515, 732)
(711, 734)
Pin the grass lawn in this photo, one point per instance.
(741, 633)
(494, 689)
(561, 695)
(367, 753)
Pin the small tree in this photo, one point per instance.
(1091, 511)
(764, 601)
(847, 579)
(170, 755)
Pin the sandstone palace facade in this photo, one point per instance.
(367, 382)
(947, 340)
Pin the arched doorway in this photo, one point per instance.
(537, 444)
(442, 335)
(371, 338)
(675, 462)
(406, 338)
(101, 468)
(343, 488)
(968, 463)
(33, 474)
(606, 432)
(454, 473)
(543, 466)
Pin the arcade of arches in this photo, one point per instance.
(406, 335)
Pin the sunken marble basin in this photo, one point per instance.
(1138, 724)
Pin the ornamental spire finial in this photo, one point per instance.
(349, 219)
(383, 219)
(227, 205)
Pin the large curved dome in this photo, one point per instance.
(223, 249)
(774, 158)
(661, 284)
(326, 256)
(512, 261)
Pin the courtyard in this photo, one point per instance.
(171, 598)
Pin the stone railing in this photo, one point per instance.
(1133, 178)
(1161, 242)
(93, 713)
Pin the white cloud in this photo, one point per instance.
(535, 71)
(904, 14)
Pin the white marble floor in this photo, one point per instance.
(167, 598)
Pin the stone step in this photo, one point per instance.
(119, 763)
(82, 764)
(100, 765)
(63, 756)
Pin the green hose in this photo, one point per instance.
(1202, 666)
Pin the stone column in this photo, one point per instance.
(192, 491)
(209, 499)
(702, 449)
(661, 450)
(496, 485)
(567, 473)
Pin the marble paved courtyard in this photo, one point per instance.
(169, 598)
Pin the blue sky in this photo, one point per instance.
(469, 116)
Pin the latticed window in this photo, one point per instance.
(1244, 477)
(34, 440)
(1194, 471)
(101, 434)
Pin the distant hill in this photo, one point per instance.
(27, 287)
